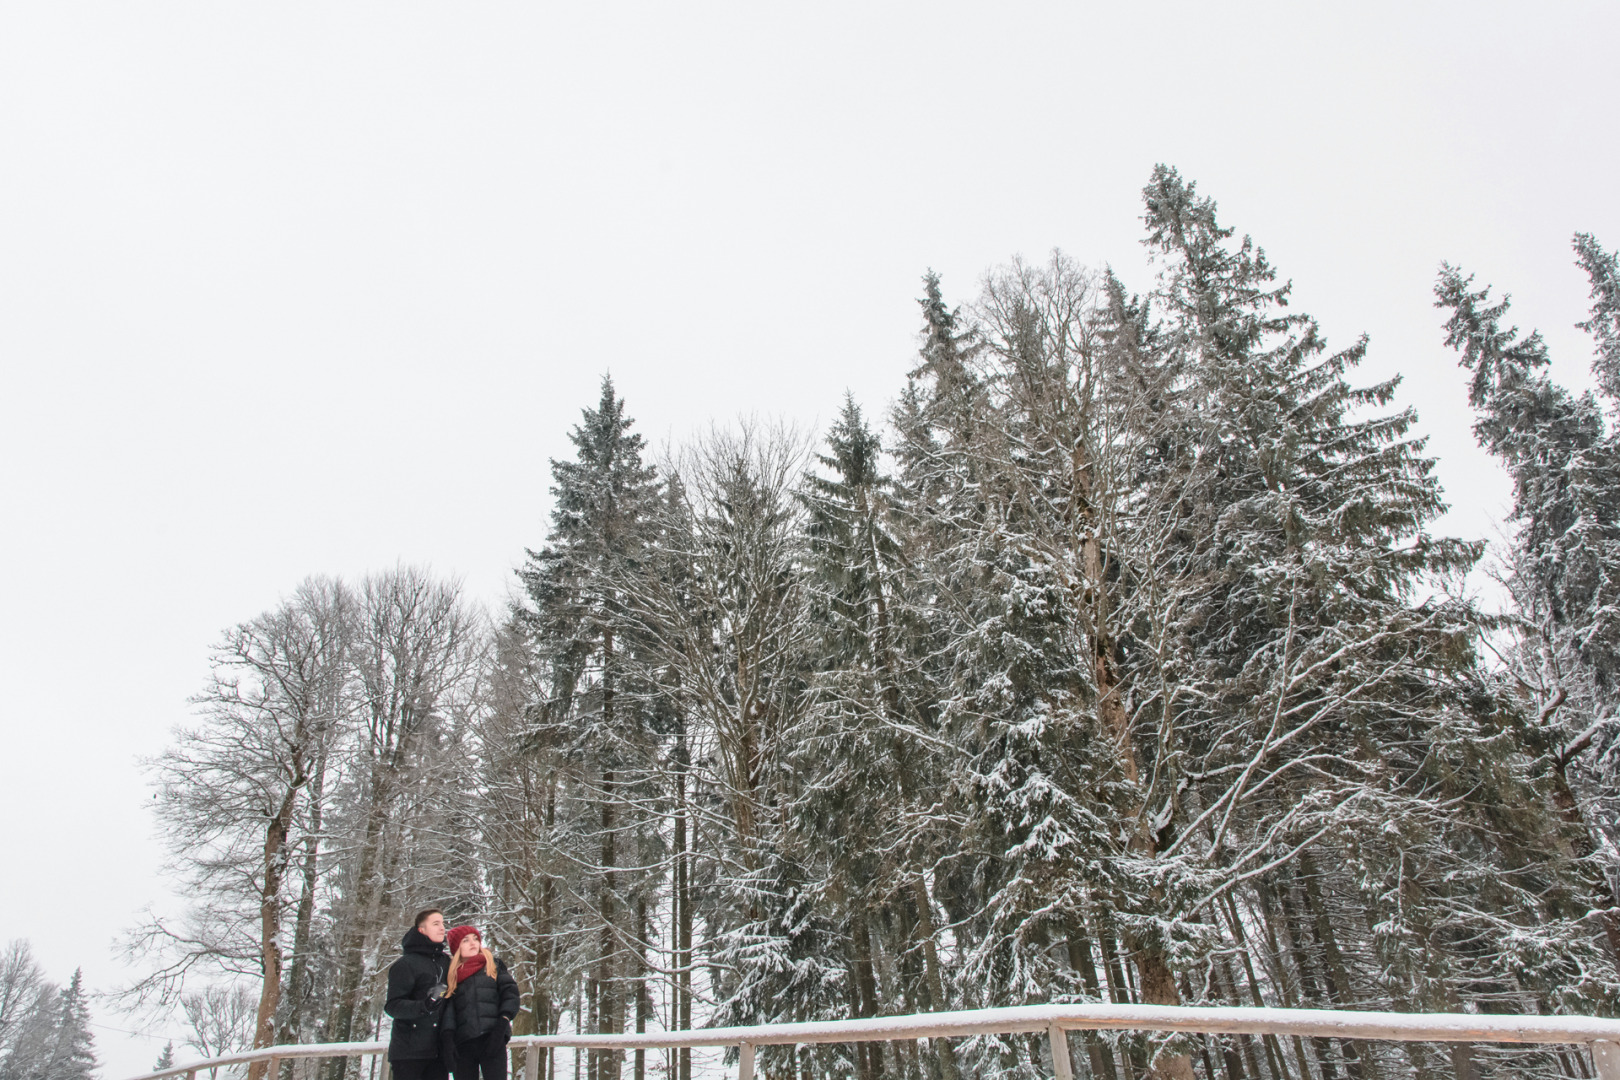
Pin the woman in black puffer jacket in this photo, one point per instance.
(480, 1004)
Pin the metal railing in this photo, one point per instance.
(1601, 1036)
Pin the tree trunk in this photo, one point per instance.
(1270, 921)
(606, 1061)
(681, 1009)
(643, 1002)
(542, 1010)
(936, 983)
(607, 990)
(1102, 1059)
(298, 977)
(1275, 1057)
(868, 1055)
(1159, 988)
(275, 869)
(359, 917)
(1602, 896)
(1311, 994)
(1335, 975)
(593, 1003)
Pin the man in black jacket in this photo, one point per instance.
(416, 985)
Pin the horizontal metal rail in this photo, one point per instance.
(1601, 1035)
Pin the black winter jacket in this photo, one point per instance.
(415, 997)
(482, 1004)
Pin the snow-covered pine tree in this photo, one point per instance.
(940, 510)
(1216, 655)
(1069, 431)
(1317, 715)
(165, 1059)
(599, 537)
(1559, 452)
(936, 421)
(70, 1053)
(875, 805)
(1603, 272)
(1563, 567)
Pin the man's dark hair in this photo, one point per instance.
(421, 916)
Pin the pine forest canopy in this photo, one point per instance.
(1119, 664)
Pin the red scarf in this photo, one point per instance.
(469, 968)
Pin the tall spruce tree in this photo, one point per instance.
(70, 1053)
(876, 799)
(1603, 272)
(1563, 455)
(1320, 693)
(1559, 452)
(600, 532)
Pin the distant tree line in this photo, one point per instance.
(44, 1028)
(1119, 664)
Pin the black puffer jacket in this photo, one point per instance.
(415, 997)
(482, 1004)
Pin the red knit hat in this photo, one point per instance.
(455, 937)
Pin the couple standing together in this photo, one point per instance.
(452, 1008)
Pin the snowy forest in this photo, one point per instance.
(44, 1028)
(1115, 661)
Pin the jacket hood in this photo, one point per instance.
(417, 942)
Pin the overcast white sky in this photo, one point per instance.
(302, 288)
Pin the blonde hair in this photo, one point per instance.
(455, 966)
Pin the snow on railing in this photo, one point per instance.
(1602, 1036)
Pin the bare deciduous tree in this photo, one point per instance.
(416, 656)
(221, 1019)
(25, 1007)
(230, 791)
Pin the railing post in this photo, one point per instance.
(387, 1070)
(1606, 1056)
(531, 1063)
(745, 1062)
(1061, 1068)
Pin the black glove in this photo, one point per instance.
(435, 994)
(506, 1028)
